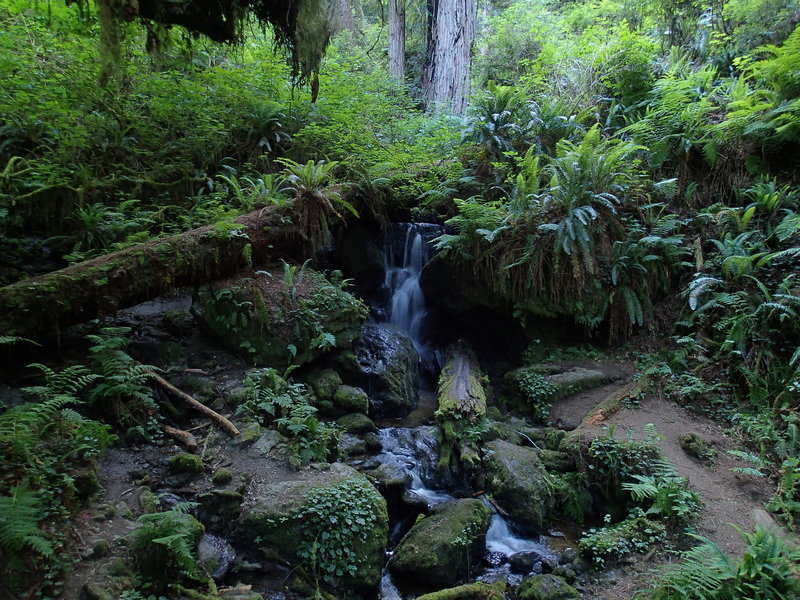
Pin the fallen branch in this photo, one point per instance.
(211, 414)
(184, 437)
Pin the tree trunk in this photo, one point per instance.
(446, 76)
(397, 39)
(348, 20)
(43, 305)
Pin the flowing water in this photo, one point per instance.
(414, 449)
(408, 248)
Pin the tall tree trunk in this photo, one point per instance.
(349, 20)
(446, 76)
(397, 38)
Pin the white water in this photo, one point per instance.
(406, 252)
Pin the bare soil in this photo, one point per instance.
(730, 500)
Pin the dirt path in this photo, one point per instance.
(730, 499)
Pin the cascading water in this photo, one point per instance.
(414, 450)
(406, 252)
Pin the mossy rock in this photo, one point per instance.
(553, 460)
(356, 423)
(573, 500)
(324, 382)
(330, 510)
(470, 591)
(441, 548)
(184, 463)
(694, 445)
(349, 399)
(519, 483)
(278, 323)
(546, 587)
(222, 477)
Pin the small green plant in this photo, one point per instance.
(669, 496)
(164, 547)
(121, 390)
(766, 571)
(332, 521)
(610, 544)
(286, 406)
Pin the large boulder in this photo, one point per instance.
(440, 548)
(330, 518)
(518, 483)
(470, 591)
(387, 369)
(278, 318)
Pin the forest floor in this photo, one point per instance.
(730, 499)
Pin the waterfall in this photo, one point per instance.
(407, 251)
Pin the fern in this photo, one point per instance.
(19, 523)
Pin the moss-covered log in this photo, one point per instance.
(462, 405)
(43, 305)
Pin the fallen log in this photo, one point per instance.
(184, 437)
(462, 405)
(211, 414)
(45, 304)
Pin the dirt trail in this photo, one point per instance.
(730, 499)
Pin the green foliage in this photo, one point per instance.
(671, 498)
(766, 571)
(331, 523)
(275, 401)
(121, 391)
(609, 545)
(45, 447)
(164, 545)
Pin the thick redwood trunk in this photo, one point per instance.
(397, 39)
(446, 76)
(44, 304)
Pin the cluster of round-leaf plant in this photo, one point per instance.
(332, 523)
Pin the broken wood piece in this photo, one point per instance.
(184, 437)
(198, 406)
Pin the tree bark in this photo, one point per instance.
(349, 20)
(397, 39)
(45, 304)
(446, 76)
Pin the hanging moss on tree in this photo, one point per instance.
(301, 27)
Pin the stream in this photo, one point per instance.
(410, 445)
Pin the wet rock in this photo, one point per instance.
(349, 520)
(220, 506)
(356, 423)
(522, 562)
(391, 479)
(179, 323)
(215, 555)
(546, 587)
(350, 445)
(349, 399)
(184, 463)
(441, 548)
(470, 591)
(388, 369)
(360, 258)
(566, 573)
(373, 442)
(518, 482)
